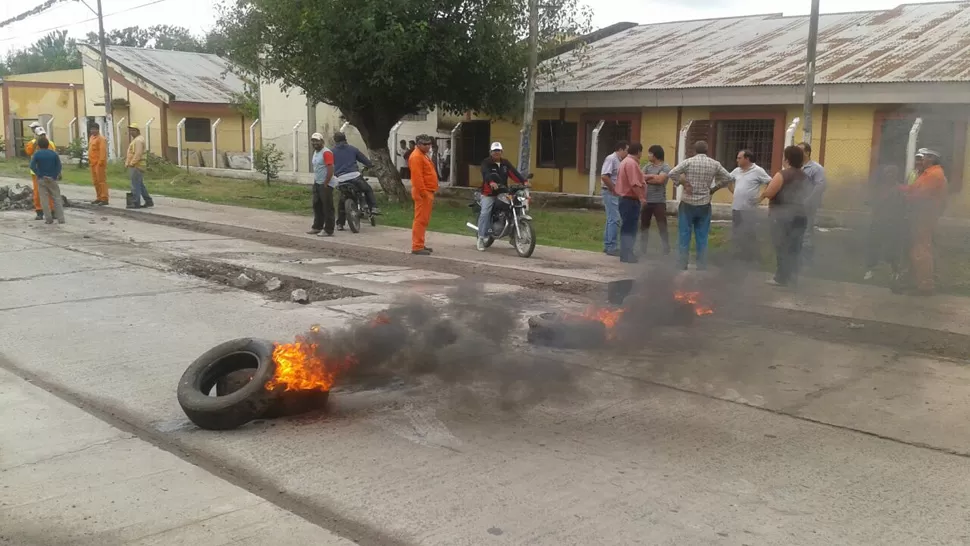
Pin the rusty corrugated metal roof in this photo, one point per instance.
(910, 43)
(189, 77)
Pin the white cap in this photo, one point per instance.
(496, 147)
(316, 136)
(39, 132)
(34, 124)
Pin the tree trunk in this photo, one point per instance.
(388, 175)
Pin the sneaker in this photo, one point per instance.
(773, 282)
(429, 249)
(324, 234)
(867, 276)
(481, 245)
(375, 211)
(133, 206)
(422, 252)
(340, 228)
(614, 253)
(96, 202)
(313, 232)
(148, 204)
(40, 215)
(103, 204)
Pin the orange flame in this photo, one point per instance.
(693, 298)
(609, 318)
(300, 368)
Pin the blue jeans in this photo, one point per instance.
(696, 219)
(630, 216)
(485, 218)
(138, 189)
(611, 202)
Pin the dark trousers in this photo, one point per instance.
(787, 235)
(323, 208)
(629, 221)
(744, 235)
(649, 212)
(887, 240)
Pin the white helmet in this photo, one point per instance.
(35, 124)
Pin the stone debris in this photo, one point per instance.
(242, 281)
(273, 284)
(300, 296)
(16, 197)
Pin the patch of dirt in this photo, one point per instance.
(229, 275)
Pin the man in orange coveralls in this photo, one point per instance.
(424, 182)
(29, 148)
(98, 160)
(927, 198)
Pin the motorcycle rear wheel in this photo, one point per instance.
(353, 215)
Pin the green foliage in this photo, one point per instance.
(169, 37)
(55, 51)
(268, 160)
(3, 145)
(77, 149)
(156, 164)
(247, 102)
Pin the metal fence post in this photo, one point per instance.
(252, 145)
(790, 133)
(71, 133)
(50, 123)
(682, 154)
(148, 134)
(453, 162)
(911, 147)
(214, 137)
(594, 169)
(118, 136)
(178, 137)
(296, 150)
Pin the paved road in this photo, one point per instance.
(730, 433)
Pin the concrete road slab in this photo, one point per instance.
(69, 478)
(25, 264)
(11, 243)
(404, 275)
(230, 248)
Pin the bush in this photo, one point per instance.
(78, 150)
(156, 164)
(268, 160)
(3, 145)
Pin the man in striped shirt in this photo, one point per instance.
(700, 176)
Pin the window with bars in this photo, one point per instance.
(557, 144)
(757, 135)
(611, 133)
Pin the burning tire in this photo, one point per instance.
(556, 330)
(236, 408)
(287, 404)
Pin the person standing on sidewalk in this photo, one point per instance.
(98, 161)
(322, 201)
(424, 184)
(749, 181)
(655, 175)
(630, 189)
(887, 221)
(30, 147)
(608, 174)
(697, 174)
(47, 164)
(927, 199)
(789, 194)
(816, 174)
(135, 163)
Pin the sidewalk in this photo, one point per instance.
(70, 478)
(848, 300)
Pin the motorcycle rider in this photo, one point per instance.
(496, 171)
(345, 159)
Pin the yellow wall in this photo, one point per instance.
(232, 134)
(32, 102)
(848, 145)
(54, 76)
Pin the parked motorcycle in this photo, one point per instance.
(510, 218)
(355, 206)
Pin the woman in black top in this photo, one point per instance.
(788, 193)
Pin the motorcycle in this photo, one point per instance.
(510, 218)
(355, 206)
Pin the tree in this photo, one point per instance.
(169, 37)
(268, 160)
(54, 51)
(379, 60)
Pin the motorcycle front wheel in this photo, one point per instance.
(525, 239)
(353, 215)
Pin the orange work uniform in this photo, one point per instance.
(927, 197)
(98, 159)
(30, 147)
(424, 183)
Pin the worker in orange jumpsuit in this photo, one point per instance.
(424, 183)
(29, 148)
(926, 198)
(98, 160)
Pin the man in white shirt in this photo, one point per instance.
(749, 180)
(611, 202)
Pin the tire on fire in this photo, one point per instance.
(250, 401)
(556, 330)
(287, 404)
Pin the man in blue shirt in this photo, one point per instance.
(345, 169)
(47, 164)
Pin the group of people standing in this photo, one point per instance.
(635, 194)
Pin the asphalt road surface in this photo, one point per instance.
(735, 431)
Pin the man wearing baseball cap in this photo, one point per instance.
(496, 171)
(927, 199)
(322, 201)
(424, 183)
(30, 148)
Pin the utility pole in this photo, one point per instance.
(530, 88)
(108, 128)
(810, 73)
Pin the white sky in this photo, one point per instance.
(198, 15)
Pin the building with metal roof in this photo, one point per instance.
(740, 81)
(183, 102)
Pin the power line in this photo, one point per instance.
(61, 27)
(48, 4)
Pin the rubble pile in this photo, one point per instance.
(16, 198)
